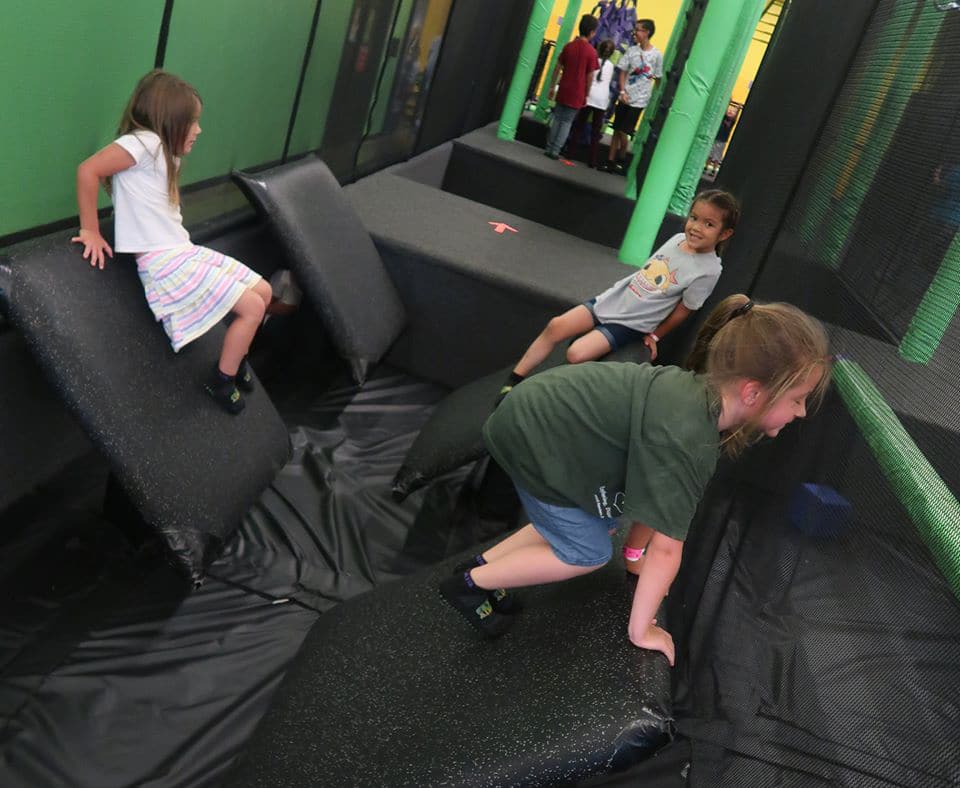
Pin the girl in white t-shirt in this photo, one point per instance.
(189, 288)
(598, 99)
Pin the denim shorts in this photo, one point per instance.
(576, 537)
(616, 335)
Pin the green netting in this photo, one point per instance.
(931, 505)
(936, 310)
(900, 48)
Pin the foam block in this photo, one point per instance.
(452, 437)
(394, 688)
(191, 469)
(333, 257)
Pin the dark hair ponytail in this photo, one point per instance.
(606, 46)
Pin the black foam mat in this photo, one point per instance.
(393, 688)
(475, 297)
(191, 469)
(332, 256)
(518, 178)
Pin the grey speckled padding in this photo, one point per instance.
(191, 469)
(394, 688)
(452, 437)
(333, 257)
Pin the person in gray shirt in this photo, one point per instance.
(648, 304)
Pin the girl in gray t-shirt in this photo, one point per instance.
(650, 303)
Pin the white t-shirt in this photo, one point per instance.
(600, 90)
(144, 218)
(642, 67)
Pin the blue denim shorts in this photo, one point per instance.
(616, 335)
(576, 537)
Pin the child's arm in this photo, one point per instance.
(555, 79)
(660, 566)
(104, 163)
(670, 322)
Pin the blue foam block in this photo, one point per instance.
(819, 510)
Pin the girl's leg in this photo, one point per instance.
(249, 311)
(596, 131)
(526, 536)
(529, 565)
(263, 289)
(590, 346)
(571, 323)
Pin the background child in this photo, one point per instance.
(574, 70)
(641, 67)
(189, 288)
(588, 444)
(649, 304)
(596, 107)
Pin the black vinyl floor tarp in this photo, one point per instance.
(114, 673)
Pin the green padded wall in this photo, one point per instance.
(247, 77)
(68, 71)
(321, 75)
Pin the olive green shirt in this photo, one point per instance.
(616, 440)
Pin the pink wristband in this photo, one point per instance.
(632, 553)
(655, 337)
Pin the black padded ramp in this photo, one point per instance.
(453, 435)
(517, 177)
(332, 256)
(393, 688)
(191, 469)
(475, 297)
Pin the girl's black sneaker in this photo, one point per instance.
(475, 606)
(244, 377)
(502, 600)
(225, 392)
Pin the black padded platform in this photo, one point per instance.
(517, 177)
(332, 256)
(475, 298)
(393, 688)
(191, 469)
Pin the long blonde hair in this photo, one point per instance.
(775, 344)
(167, 106)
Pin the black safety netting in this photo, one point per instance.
(818, 603)
(114, 672)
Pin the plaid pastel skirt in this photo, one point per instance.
(191, 288)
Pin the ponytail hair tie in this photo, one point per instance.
(741, 310)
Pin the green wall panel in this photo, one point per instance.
(68, 70)
(244, 57)
(321, 75)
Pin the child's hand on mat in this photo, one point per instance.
(651, 344)
(655, 639)
(94, 247)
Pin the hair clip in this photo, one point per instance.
(742, 310)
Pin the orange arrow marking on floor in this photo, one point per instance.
(567, 162)
(501, 226)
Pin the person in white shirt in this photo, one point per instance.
(188, 288)
(595, 110)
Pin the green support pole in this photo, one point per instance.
(716, 108)
(523, 73)
(570, 19)
(718, 27)
(650, 112)
(936, 310)
(929, 502)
